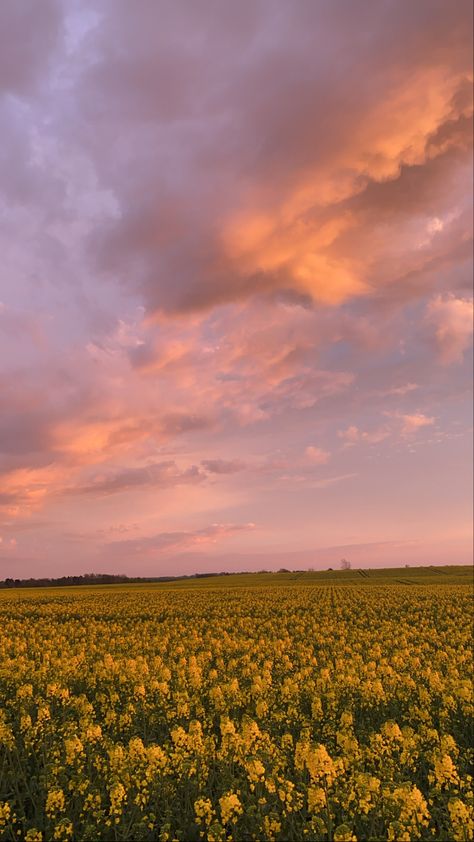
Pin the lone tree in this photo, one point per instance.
(345, 565)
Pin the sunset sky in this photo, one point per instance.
(236, 301)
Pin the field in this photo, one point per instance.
(325, 706)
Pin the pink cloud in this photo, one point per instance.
(223, 466)
(412, 423)
(171, 542)
(352, 435)
(452, 320)
(157, 474)
(317, 456)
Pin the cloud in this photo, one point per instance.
(87, 406)
(412, 423)
(31, 327)
(151, 358)
(405, 389)
(207, 214)
(25, 489)
(23, 434)
(176, 423)
(326, 482)
(172, 542)
(317, 456)
(223, 466)
(352, 435)
(158, 474)
(452, 320)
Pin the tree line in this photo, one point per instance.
(94, 579)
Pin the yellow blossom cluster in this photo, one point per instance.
(293, 712)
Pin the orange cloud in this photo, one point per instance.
(26, 489)
(298, 243)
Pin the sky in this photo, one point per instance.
(235, 295)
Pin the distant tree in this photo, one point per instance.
(345, 565)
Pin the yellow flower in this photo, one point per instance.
(136, 750)
(261, 708)
(33, 835)
(231, 807)
(73, 748)
(117, 796)
(5, 813)
(6, 734)
(462, 820)
(92, 804)
(391, 731)
(413, 809)
(255, 770)
(203, 810)
(445, 771)
(271, 826)
(25, 691)
(93, 733)
(179, 736)
(287, 741)
(316, 799)
(320, 765)
(55, 802)
(367, 788)
(347, 719)
(25, 722)
(157, 759)
(343, 833)
(397, 832)
(63, 830)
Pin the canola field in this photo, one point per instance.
(274, 709)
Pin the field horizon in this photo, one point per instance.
(408, 575)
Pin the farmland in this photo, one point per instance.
(319, 706)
